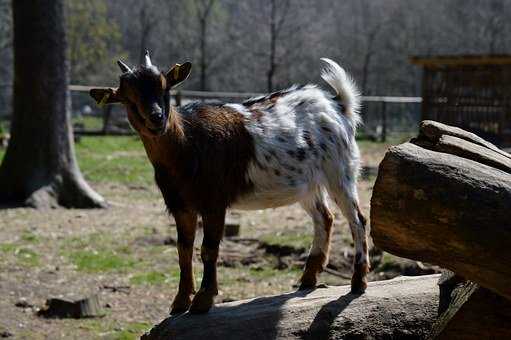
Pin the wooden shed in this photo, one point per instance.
(472, 92)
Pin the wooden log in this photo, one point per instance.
(446, 210)
(462, 148)
(434, 130)
(404, 307)
(474, 313)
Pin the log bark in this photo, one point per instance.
(445, 200)
(403, 308)
(474, 313)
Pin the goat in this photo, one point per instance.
(294, 145)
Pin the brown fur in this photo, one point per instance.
(359, 279)
(186, 224)
(316, 263)
(202, 167)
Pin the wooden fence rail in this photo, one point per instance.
(180, 95)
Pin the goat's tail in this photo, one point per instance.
(345, 88)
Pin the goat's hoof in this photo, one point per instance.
(307, 285)
(180, 304)
(358, 287)
(202, 302)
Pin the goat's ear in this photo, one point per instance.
(105, 96)
(177, 74)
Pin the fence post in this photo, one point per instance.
(178, 98)
(384, 121)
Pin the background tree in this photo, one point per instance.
(5, 57)
(95, 42)
(39, 168)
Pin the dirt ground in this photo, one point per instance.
(126, 254)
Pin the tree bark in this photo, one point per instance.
(447, 203)
(401, 308)
(39, 168)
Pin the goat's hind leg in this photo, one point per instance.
(344, 193)
(322, 219)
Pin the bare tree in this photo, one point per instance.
(39, 168)
(204, 9)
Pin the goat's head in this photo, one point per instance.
(145, 91)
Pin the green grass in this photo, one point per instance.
(24, 256)
(120, 160)
(97, 252)
(288, 239)
(113, 159)
(109, 330)
(100, 261)
(89, 122)
(131, 331)
(155, 278)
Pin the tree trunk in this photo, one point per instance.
(394, 309)
(445, 200)
(203, 63)
(39, 168)
(273, 45)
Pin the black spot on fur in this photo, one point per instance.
(273, 153)
(291, 153)
(326, 129)
(267, 157)
(277, 172)
(301, 154)
(281, 139)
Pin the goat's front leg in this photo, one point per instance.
(213, 224)
(186, 225)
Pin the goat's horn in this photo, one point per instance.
(147, 59)
(124, 68)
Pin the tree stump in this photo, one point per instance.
(64, 308)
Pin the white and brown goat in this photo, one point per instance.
(294, 145)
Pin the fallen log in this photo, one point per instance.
(445, 199)
(404, 307)
(473, 313)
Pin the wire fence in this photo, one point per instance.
(382, 115)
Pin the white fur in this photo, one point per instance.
(330, 165)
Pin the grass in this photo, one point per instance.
(107, 330)
(155, 278)
(112, 159)
(89, 122)
(119, 160)
(295, 240)
(24, 256)
(98, 252)
(100, 261)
